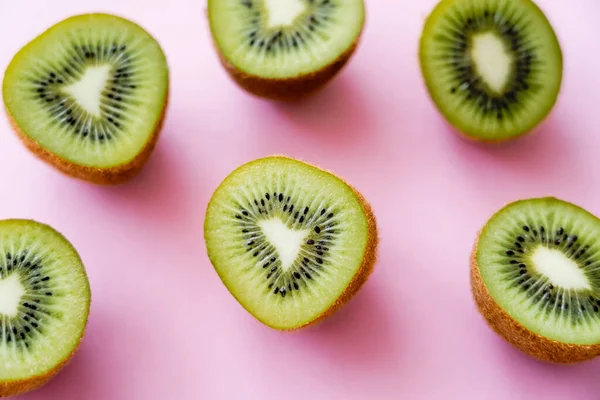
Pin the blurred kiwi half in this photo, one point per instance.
(493, 68)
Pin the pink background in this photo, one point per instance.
(162, 325)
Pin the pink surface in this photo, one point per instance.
(162, 326)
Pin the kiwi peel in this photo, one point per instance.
(89, 97)
(286, 60)
(322, 272)
(44, 304)
(492, 69)
(545, 302)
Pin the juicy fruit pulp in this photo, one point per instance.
(287, 239)
(44, 303)
(284, 38)
(493, 68)
(539, 259)
(90, 90)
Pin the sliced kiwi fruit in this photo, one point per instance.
(285, 49)
(290, 241)
(44, 304)
(535, 275)
(88, 96)
(493, 68)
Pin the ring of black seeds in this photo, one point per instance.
(66, 111)
(468, 84)
(283, 40)
(553, 299)
(312, 259)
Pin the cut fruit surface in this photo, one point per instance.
(493, 68)
(538, 260)
(268, 45)
(88, 95)
(44, 304)
(284, 38)
(290, 241)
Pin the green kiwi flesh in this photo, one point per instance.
(493, 68)
(89, 91)
(44, 304)
(289, 240)
(539, 260)
(279, 42)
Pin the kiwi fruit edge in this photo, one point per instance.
(362, 274)
(100, 176)
(290, 88)
(14, 388)
(530, 343)
(452, 122)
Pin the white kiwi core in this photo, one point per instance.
(283, 12)
(11, 291)
(492, 60)
(87, 91)
(287, 242)
(560, 270)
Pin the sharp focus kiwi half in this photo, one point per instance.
(291, 242)
(44, 304)
(535, 277)
(88, 96)
(283, 49)
(493, 68)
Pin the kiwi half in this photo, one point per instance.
(290, 241)
(44, 304)
(493, 68)
(535, 275)
(88, 96)
(284, 49)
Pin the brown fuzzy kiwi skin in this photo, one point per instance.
(288, 89)
(14, 388)
(528, 342)
(362, 274)
(100, 176)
